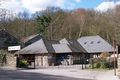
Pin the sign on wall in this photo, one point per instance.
(14, 48)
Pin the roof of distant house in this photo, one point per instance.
(25, 39)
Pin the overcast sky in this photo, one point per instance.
(35, 5)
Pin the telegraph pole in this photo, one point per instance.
(114, 46)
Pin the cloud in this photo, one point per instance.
(37, 5)
(104, 6)
(12, 5)
(77, 1)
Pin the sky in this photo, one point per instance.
(32, 6)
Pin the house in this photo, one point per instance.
(95, 45)
(31, 39)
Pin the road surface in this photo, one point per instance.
(18, 75)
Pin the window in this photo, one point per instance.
(98, 42)
(85, 42)
(92, 42)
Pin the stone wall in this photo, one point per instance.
(10, 60)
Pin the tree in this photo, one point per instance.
(43, 22)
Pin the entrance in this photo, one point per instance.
(28, 60)
(62, 59)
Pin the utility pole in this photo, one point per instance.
(114, 46)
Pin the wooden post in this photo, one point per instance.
(82, 61)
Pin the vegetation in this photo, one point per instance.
(55, 23)
(43, 22)
(2, 57)
(100, 62)
(23, 63)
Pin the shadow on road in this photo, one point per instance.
(19, 75)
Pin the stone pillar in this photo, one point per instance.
(10, 60)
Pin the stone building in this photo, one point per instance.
(64, 52)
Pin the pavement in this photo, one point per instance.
(69, 73)
(108, 75)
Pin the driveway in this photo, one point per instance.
(19, 75)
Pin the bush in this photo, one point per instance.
(99, 64)
(104, 64)
(23, 63)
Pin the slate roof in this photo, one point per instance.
(6, 39)
(45, 46)
(37, 47)
(61, 48)
(88, 44)
(64, 41)
(49, 43)
(95, 44)
(74, 45)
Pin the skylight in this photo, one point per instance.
(92, 42)
(85, 42)
(98, 42)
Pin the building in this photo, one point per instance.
(64, 52)
(45, 53)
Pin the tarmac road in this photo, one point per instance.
(19, 75)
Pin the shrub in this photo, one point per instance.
(104, 64)
(23, 63)
(98, 63)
